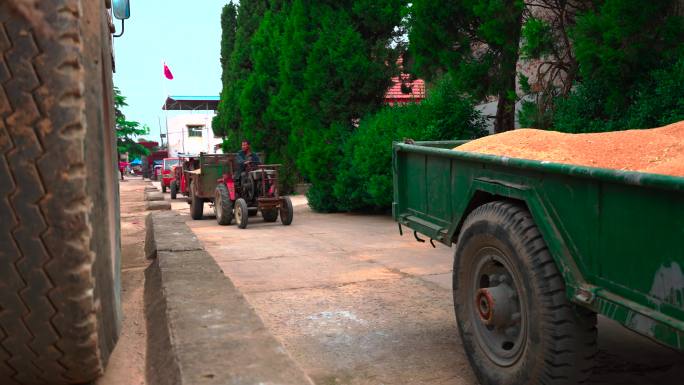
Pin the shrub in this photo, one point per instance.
(365, 178)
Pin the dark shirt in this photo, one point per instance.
(242, 158)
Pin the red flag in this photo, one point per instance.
(167, 72)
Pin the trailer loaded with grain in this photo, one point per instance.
(546, 238)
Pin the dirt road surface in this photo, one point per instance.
(355, 303)
(127, 363)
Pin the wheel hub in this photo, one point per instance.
(496, 305)
(498, 312)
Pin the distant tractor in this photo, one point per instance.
(237, 196)
(180, 182)
(167, 172)
(255, 190)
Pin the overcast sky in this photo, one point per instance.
(185, 34)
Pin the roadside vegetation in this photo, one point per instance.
(304, 81)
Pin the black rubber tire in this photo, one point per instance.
(223, 206)
(59, 221)
(559, 343)
(241, 213)
(286, 212)
(163, 187)
(196, 204)
(270, 215)
(174, 189)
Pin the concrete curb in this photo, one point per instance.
(154, 196)
(157, 205)
(201, 329)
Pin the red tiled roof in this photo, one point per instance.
(395, 95)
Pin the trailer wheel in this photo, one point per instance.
(59, 219)
(223, 207)
(270, 215)
(174, 189)
(286, 212)
(515, 321)
(241, 213)
(196, 203)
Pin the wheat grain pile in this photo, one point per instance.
(656, 150)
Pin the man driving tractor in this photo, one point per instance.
(246, 156)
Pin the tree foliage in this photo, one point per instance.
(476, 41)
(365, 179)
(127, 130)
(300, 73)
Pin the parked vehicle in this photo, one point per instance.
(60, 313)
(167, 175)
(541, 249)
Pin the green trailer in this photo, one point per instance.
(541, 248)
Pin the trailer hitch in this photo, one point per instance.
(415, 234)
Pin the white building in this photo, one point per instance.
(191, 133)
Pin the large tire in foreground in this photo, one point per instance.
(223, 207)
(59, 234)
(196, 203)
(516, 324)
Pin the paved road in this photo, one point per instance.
(355, 303)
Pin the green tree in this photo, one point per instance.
(228, 30)
(239, 68)
(365, 178)
(477, 41)
(625, 50)
(127, 130)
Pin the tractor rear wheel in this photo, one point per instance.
(515, 321)
(59, 203)
(174, 189)
(270, 215)
(286, 211)
(241, 213)
(196, 203)
(223, 207)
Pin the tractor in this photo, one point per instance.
(236, 195)
(180, 180)
(167, 172)
(254, 190)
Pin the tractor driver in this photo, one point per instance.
(246, 156)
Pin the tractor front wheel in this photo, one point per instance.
(241, 213)
(286, 211)
(270, 215)
(196, 203)
(174, 189)
(223, 207)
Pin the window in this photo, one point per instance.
(195, 131)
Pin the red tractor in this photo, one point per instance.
(167, 172)
(180, 182)
(254, 190)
